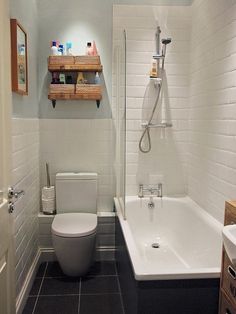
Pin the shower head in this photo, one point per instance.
(166, 41)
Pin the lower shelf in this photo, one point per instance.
(74, 92)
(55, 97)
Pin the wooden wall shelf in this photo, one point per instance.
(74, 64)
(74, 97)
(74, 91)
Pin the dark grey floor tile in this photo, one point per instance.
(60, 286)
(57, 305)
(41, 270)
(102, 268)
(93, 285)
(100, 304)
(35, 288)
(54, 270)
(29, 306)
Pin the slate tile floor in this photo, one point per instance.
(96, 293)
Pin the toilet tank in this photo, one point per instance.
(76, 192)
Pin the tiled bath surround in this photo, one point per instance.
(181, 296)
(25, 176)
(212, 105)
(167, 161)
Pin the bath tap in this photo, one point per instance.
(151, 190)
(151, 204)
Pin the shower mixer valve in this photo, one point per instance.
(152, 191)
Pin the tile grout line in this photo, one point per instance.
(40, 288)
(97, 294)
(79, 295)
(59, 295)
(119, 288)
(88, 276)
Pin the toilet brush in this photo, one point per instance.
(48, 195)
(48, 175)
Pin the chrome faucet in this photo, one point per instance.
(152, 190)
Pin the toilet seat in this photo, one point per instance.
(74, 225)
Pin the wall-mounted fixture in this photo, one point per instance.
(70, 67)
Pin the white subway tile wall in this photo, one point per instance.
(167, 161)
(212, 115)
(80, 145)
(25, 176)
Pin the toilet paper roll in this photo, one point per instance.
(48, 193)
(48, 206)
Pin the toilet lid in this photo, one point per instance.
(74, 225)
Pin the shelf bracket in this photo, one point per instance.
(98, 103)
(54, 103)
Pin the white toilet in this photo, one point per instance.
(75, 224)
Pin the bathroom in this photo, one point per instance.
(194, 157)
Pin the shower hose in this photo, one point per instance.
(146, 131)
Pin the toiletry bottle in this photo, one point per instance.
(69, 79)
(54, 50)
(69, 48)
(55, 78)
(80, 79)
(61, 50)
(62, 78)
(153, 72)
(95, 51)
(89, 49)
(97, 80)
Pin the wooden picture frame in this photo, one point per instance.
(19, 66)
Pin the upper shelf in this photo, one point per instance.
(74, 63)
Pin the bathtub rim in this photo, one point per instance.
(140, 274)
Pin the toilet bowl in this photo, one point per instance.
(73, 237)
(75, 224)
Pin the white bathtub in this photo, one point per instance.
(189, 238)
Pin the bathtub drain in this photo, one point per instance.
(155, 245)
